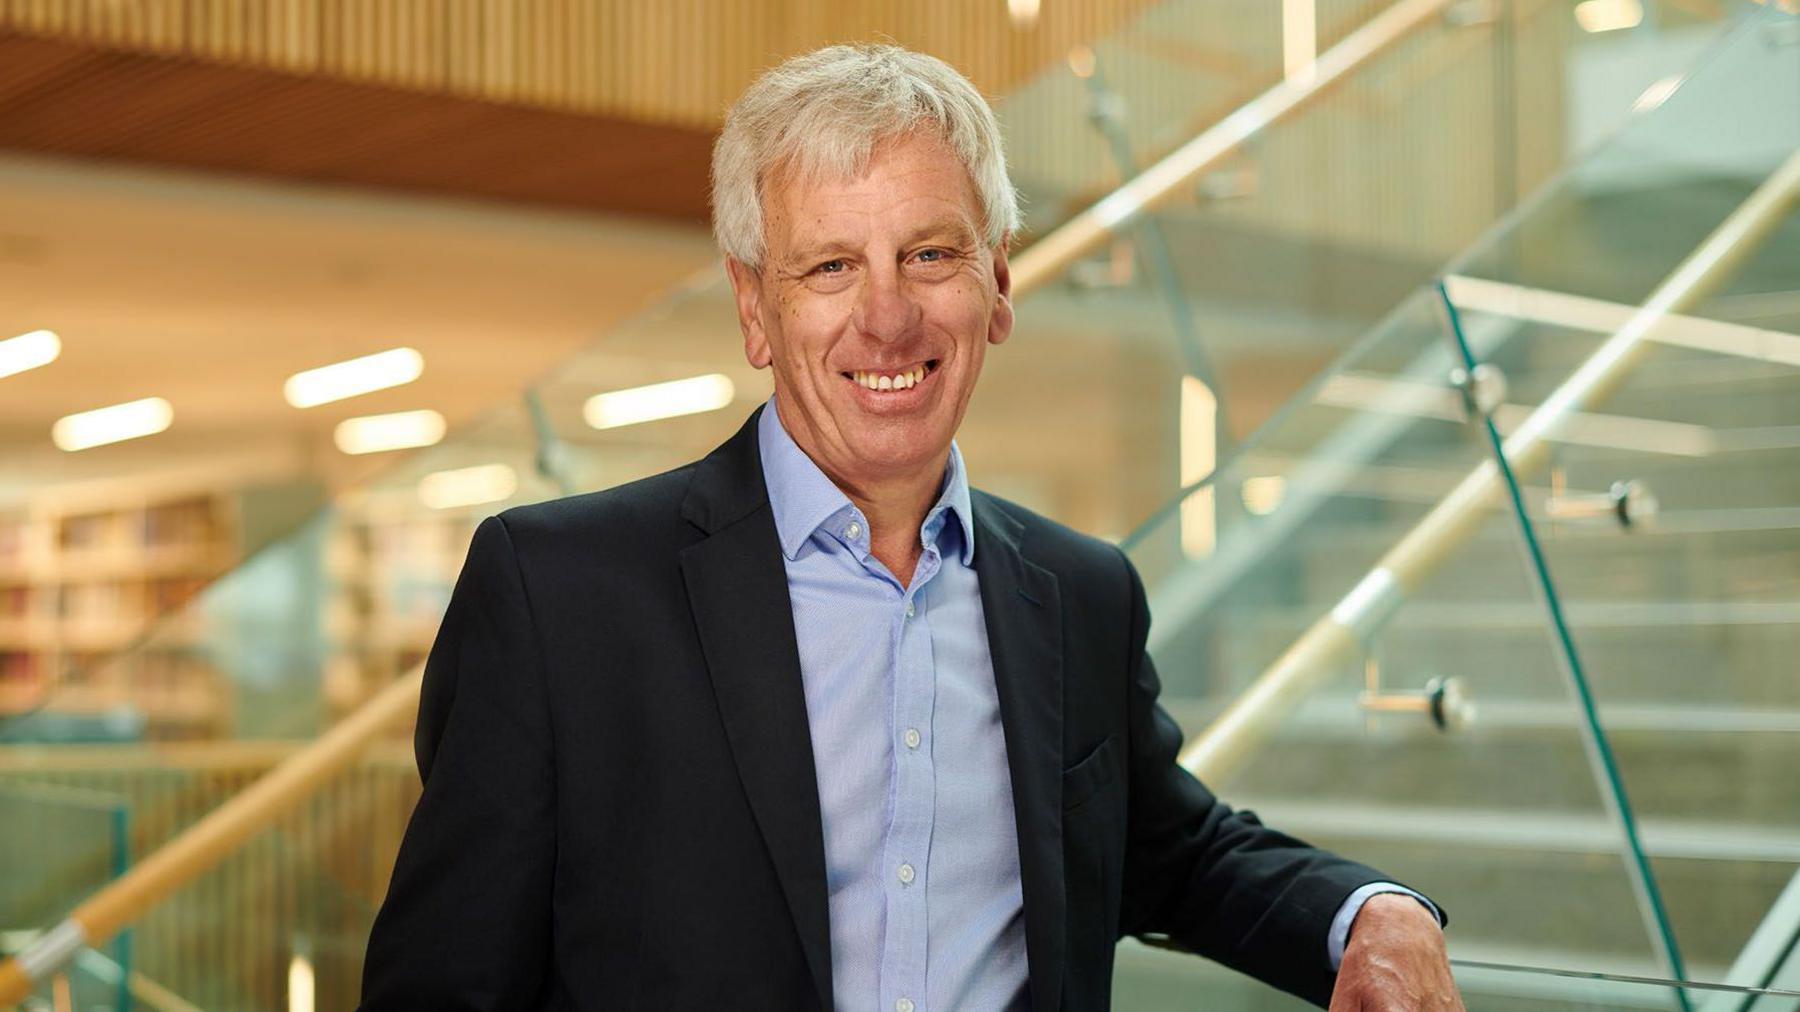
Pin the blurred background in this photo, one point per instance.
(1437, 362)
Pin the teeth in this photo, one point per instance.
(894, 381)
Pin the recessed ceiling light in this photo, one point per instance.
(113, 424)
(401, 430)
(357, 376)
(28, 351)
(1608, 15)
(659, 400)
(1658, 93)
(468, 486)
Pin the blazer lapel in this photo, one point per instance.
(1022, 605)
(737, 587)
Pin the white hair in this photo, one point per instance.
(822, 114)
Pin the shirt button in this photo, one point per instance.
(906, 874)
(912, 737)
(851, 532)
(909, 609)
(903, 1005)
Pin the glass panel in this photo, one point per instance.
(291, 908)
(59, 845)
(1503, 825)
(1664, 498)
(1153, 980)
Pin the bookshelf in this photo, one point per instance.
(390, 564)
(97, 588)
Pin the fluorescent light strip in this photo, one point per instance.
(119, 422)
(659, 400)
(1262, 494)
(1578, 312)
(28, 351)
(1608, 15)
(1659, 92)
(401, 430)
(1199, 454)
(468, 486)
(1299, 40)
(354, 377)
(301, 993)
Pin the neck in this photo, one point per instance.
(895, 511)
(893, 505)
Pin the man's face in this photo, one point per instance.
(884, 276)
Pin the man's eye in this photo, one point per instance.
(931, 255)
(830, 267)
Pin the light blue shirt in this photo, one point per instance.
(921, 847)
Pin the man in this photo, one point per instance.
(811, 723)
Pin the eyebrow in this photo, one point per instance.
(956, 232)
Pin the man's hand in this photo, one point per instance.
(1395, 961)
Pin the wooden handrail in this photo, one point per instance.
(1253, 715)
(1046, 259)
(289, 784)
(211, 839)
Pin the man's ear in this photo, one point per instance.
(746, 290)
(1000, 324)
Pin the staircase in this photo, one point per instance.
(1685, 621)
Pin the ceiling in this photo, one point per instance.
(65, 99)
(211, 293)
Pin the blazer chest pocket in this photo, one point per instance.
(1094, 771)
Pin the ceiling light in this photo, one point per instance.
(1081, 62)
(468, 486)
(354, 377)
(28, 351)
(1262, 495)
(1199, 456)
(398, 431)
(1658, 93)
(1608, 15)
(113, 424)
(1024, 13)
(659, 400)
(1299, 39)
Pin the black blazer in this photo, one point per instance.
(620, 807)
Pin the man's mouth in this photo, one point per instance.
(903, 379)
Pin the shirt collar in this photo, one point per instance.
(803, 498)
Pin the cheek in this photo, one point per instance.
(806, 327)
(964, 311)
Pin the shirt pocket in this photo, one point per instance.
(1094, 771)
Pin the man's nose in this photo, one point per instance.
(885, 309)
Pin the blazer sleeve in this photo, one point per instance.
(466, 922)
(1217, 881)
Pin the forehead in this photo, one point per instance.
(910, 181)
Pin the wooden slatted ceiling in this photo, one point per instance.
(68, 99)
(670, 61)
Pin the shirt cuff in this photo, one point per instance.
(1346, 915)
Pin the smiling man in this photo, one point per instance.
(811, 723)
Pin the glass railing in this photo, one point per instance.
(1153, 981)
(288, 911)
(1615, 605)
(59, 845)
(1262, 270)
(320, 619)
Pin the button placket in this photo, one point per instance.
(909, 835)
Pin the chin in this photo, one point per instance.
(897, 445)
